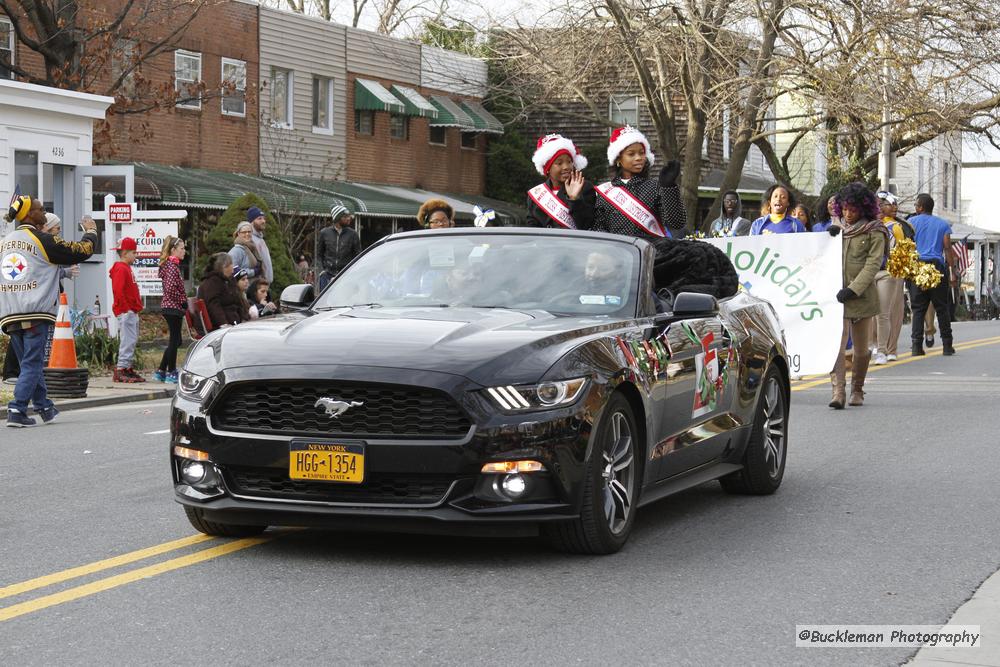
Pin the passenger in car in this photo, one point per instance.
(565, 199)
(633, 203)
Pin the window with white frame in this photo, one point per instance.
(123, 66)
(623, 110)
(187, 76)
(6, 48)
(322, 101)
(438, 135)
(399, 126)
(281, 97)
(234, 87)
(470, 140)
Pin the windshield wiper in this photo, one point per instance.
(353, 305)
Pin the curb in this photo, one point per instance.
(80, 404)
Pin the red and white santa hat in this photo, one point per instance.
(552, 146)
(622, 138)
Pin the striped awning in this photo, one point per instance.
(372, 96)
(451, 115)
(415, 103)
(483, 119)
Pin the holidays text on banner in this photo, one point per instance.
(800, 274)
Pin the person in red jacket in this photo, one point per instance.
(127, 306)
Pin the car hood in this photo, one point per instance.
(488, 346)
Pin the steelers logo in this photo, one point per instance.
(14, 267)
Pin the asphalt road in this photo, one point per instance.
(888, 515)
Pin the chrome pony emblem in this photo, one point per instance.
(335, 408)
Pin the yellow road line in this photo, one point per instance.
(968, 345)
(77, 592)
(98, 566)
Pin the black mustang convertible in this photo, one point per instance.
(481, 380)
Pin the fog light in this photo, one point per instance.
(514, 485)
(193, 472)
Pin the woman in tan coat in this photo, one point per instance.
(865, 244)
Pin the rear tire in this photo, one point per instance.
(197, 519)
(764, 459)
(612, 479)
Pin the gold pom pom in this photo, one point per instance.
(903, 260)
(927, 276)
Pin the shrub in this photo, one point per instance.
(220, 239)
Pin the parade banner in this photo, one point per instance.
(149, 237)
(800, 274)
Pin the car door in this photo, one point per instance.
(692, 424)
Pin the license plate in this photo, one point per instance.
(327, 462)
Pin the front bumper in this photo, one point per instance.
(407, 482)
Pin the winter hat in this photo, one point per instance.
(240, 273)
(19, 207)
(51, 220)
(887, 197)
(622, 138)
(240, 227)
(127, 243)
(253, 213)
(337, 211)
(552, 146)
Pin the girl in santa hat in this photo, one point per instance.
(565, 199)
(632, 203)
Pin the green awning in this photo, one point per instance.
(415, 103)
(372, 96)
(362, 200)
(450, 114)
(484, 120)
(206, 188)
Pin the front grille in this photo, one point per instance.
(378, 488)
(388, 411)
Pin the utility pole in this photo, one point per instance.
(886, 160)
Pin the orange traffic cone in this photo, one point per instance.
(63, 353)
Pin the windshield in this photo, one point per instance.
(562, 275)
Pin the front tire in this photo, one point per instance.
(197, 518)
(611, 487)
(764, 459)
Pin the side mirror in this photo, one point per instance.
(297, 297)
(693, 304)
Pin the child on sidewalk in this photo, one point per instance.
(126, 308)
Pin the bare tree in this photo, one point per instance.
(684, 59)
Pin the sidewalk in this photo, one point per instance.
(102, 391)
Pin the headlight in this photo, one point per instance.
(551, 394)
(195, 387)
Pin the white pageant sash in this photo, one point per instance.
(552, 205)
(631, 208)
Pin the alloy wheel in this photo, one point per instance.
(774, 427)
(618, 474)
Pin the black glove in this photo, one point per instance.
(669, 174)
(833, 230)
(846, 294)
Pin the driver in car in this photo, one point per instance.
(465, 284)
(602, 277)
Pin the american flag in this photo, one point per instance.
(962, 253)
